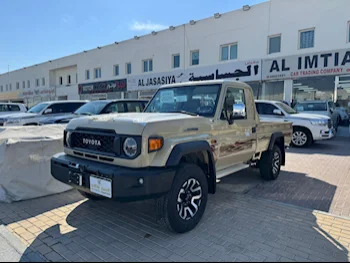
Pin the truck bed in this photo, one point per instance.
(266, 128)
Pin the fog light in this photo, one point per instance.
(141, 181)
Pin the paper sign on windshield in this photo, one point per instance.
(167, 96)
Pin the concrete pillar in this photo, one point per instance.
(288, 90)
(336, 85)
(263, 91)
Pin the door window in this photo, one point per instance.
(265, 108)
(134, 106)
(117, 107)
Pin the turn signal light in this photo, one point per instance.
(155, 144)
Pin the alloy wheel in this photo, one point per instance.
(189, 199)
(299, 138)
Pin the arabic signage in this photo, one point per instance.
(39, 93)
(119, 85)
(317, 64)
(241, 71)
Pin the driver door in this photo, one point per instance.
(236, 141)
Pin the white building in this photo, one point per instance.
(261, 45)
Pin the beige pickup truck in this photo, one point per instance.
(189, 135)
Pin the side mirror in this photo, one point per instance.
(331, 110)
(239, 112)
(48, 111)
(277, 112)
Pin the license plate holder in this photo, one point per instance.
(101, 186)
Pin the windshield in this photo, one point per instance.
(286, 108)
(312, 106)
(197, 100)
(38, 108)
(92, 108)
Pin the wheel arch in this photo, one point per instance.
(199, 153)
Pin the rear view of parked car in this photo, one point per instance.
(97, 108)
(36, 113)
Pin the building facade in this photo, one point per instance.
(286, 50)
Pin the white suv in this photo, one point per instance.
(320, 107)
(307, 128)
(40, 111)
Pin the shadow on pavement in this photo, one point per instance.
(297, 189)
(339, 146)
(23, 210)
(234, 227)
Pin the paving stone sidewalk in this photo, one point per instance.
(235, 227)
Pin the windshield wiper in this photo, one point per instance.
(185, 112)
(85, 113)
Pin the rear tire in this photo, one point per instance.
(301, 137)
(183, 207)
(91, 197)
(270, 164)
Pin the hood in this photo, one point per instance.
(19, 116)
(307, 116)
(128, 123)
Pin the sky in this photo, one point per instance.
(36, 31)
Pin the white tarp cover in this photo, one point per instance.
(25, 154)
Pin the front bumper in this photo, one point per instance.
(325, 134)
(126, 184)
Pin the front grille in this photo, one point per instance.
(103, 143)
(330, 124)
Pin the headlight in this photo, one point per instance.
(130, 147)
(320, 122)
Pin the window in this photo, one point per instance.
(229, 52)
(61, 81)
(265, 108)
(176, 61)
(311, 106)
(235, 104)
(274, 44)
(37, 82)
(87, 74)
(117, 107)
(9, 107)
(23, 85)
(198, 100)
(128, 68)
(28, 84)
(148, 65)
(116, 70)
(69, 79)
(17, 85)
(1, 88)
(10, 86)
(307, 38)
(134, 107)
(98, 73)
(194, 58)
(7, 87)
(65, 107)
(43, 82)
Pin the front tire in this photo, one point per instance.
(183, 207)
(301, 137)
(270, 164)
